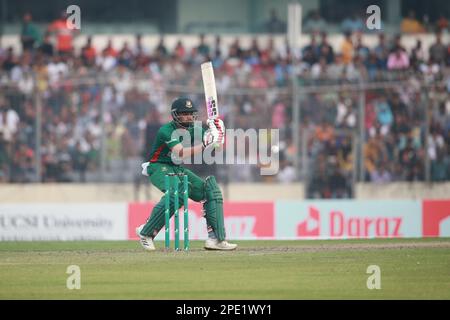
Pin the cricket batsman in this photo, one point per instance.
(184, 115)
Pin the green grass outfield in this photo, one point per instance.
(410, 269)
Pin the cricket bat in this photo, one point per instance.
(209, 85)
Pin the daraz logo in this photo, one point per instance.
(341, 225)
(310, 227)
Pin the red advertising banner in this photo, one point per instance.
(436, 218)
(315, 219)
(243, 220)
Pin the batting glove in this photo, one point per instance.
(217, 125)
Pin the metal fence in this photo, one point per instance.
(395, 130)
(333, 133)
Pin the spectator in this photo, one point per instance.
(236, 50)
(4, 158)
(9, 122)
(19, 70)
(310, 52)
(283, 72)
(253, 56)
(56, 70)
(161, 49)
(440, 167)
(254, 46)
(71, 111)
(401, 127)
(345, 156)
(139, 48)
(88, 53)
(381, 50)
(125, 55)
(203, 48)
(438, 51)
(381, 175)
(275, 25)
(356, 70)
(429, 70)
(64, 35)
(352, 24)
(10, 60)
(180, 51)
(282, 51)
(411, 25)
(279, 115)
(30, 35)
(336, 70)
(436, 144)
(26, 83)
(337, 184)
(448, 55)
(345, 117)
(324, 132)
(315, 23)
(46, 47)
(417, 55)
(319, 69)
(374, 66)
(409, 158)
(397, 44)
(218, 54)
(80, 161)
(398, 107)
(442, 24)
(319, 185)
(109, 49)
(347, 48)
(21, 168)
(370, 118)
(325, 49)
(287, 173)
(398, 60)
(360, 49)
(374, 153)
(107, 61)
(384, 114)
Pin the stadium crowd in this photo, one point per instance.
(133, 85)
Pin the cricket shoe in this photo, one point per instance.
(146, 242)
(214, 244)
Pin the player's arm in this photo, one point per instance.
(210, 139)
(186, 152)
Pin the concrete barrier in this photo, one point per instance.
(38, 193)
(402, 190)
(32, 193)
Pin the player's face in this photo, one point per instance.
(187, 117)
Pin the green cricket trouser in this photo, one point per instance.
(157, 172)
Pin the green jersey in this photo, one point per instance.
(164, 141)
